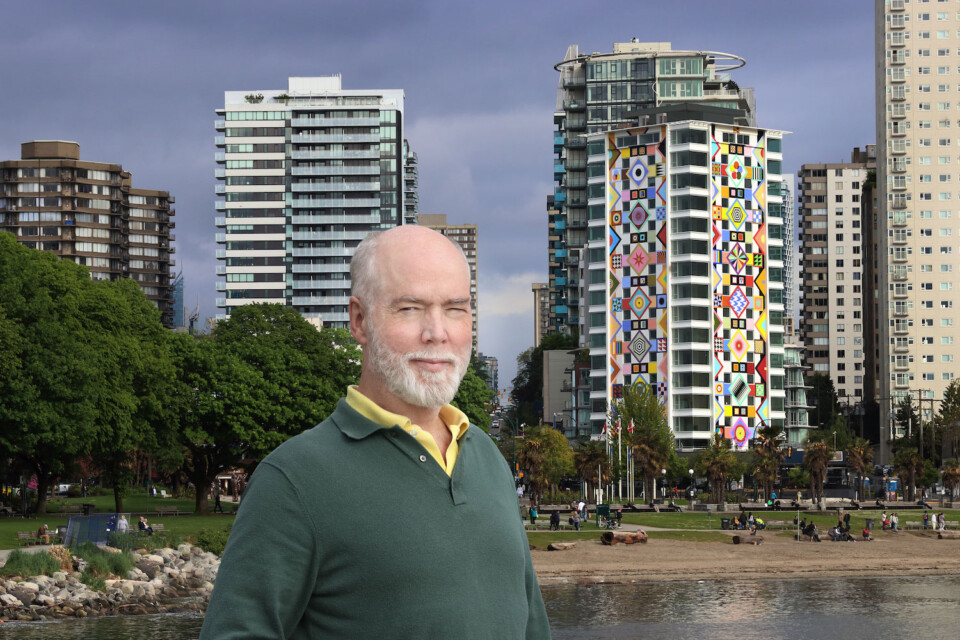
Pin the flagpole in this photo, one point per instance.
(619, 454)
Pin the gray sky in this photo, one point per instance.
(137, 83)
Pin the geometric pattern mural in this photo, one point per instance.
(638, 266)
(637, 263)
(741, 394)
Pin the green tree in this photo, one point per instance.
(798, 478)
(816, 457)
(928, 475)
(473, 396)
(908, 464)
(859, 458)
(134, 375)
(908, 416)
(651, 443)
(716, 462)
(48, 398)
(545, 458)
(592, 464)
(823, 396)
(951, 476)
(767, 457)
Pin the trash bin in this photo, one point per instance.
(603, 512)
(88, 508)
(869, 524)
(724, 523)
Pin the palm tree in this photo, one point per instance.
(530, 459)
(715, 462)
(590, 457)
(907, 462)
(651, 442)
(859, 457)
(816, 457)
(951, 476)
(767, 458)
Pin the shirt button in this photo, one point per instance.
(414, 433)
(423, 458)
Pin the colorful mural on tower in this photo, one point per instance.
(638, 336)
(637, 261)
(741, 399)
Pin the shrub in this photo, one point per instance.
(103, 563)
(63, 557)
(92, 580)
(213, 540)
(21, 563)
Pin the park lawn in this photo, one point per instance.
(824, 520)
(694, 520)
(176, 527)
(133, 502)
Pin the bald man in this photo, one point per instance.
(394, 517)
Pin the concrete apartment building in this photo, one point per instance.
(835, 290)
(918, 193)
(596, 92)
(685, 271)
(467, 236)
(541, 311)
(304, 174)
(89, 213)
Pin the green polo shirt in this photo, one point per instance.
(351, 530)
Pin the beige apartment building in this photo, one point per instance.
(88, 213)
(918, 199)
(541, 311)
(466, 236)
(833, 286)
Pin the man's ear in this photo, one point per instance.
(358, 316)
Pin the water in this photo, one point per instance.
(895, 607)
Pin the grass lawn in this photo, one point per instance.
(825, 520)
(186, 527)
(133, 502)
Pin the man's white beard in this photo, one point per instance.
(410, 383)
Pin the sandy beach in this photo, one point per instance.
(779, 556)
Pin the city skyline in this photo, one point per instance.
(143, 87)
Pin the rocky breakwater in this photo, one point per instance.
(164, 580)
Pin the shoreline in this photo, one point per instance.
(660, 560)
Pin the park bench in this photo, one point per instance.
(777, 524)
(26, 538)
(951, 524)
(70, 508)
(158, 527)
(171, 511)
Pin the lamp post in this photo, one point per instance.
(663, 487)
(690, 497)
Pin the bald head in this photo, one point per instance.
(391, 249)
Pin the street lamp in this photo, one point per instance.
(690, 496)
(663, 488)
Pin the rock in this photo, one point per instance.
(29, 586)
(25, 596)
(184, 550)
(45, 600)
(561, 546)
(59, 577)
(80, 613)
(153, 558)
(10, 600)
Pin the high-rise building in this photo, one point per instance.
(466, 235)
(797, 408)
(88, 213)
(832, 274)
(491, 369)
(686, 269)
(541, 311)
(411, 184)
(596, 92)
(791, 262)
(179, 317)
(304, 175)
(917, 91)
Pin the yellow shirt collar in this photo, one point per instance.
(456, 421)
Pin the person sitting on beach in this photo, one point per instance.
(816, 533)
(751, 521)
(809, 530)
(736, 523)
(866, 535)
(835, 534)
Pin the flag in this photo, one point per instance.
(603, 432)
(619, 427)
(630, 426)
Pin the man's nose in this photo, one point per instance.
(434, 326)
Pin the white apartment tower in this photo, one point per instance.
(918, 199)
(304, 174)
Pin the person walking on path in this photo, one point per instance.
(456, 562)
(942, 522)
(555, 521)
(533, 515)
(926, 519)
(216, 503)
(894, 522)
(576, 520)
